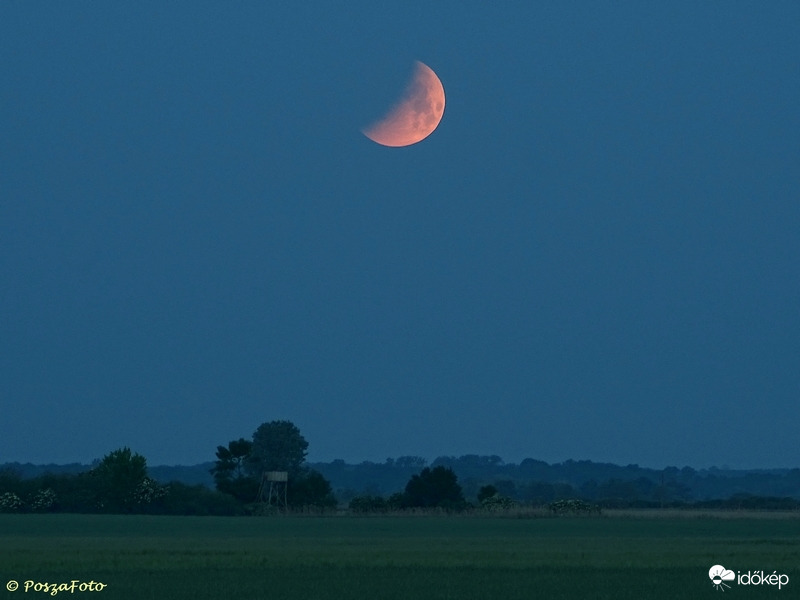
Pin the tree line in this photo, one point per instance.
(536, 482)
(121, 483)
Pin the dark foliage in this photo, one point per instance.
(573, 506)
(80, 488)
(437, 487)
(487, 491)
(368, 504)
(537, 482)
(117, 480)
(182, 499)
(229, 471)
(277, 446)
(310, 489)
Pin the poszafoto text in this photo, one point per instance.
(71, 587)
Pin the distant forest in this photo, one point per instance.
(530, 481)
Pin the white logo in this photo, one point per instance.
(719, 575)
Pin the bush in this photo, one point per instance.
(368, 504)
(395, 501)
(311, 489)
(10, 502)
(44, 500)
(198, 500)
(497, 502)
(486, 492)
(434, 488)
(148, 491)
(574, 507)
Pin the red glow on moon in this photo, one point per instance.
(416, 116)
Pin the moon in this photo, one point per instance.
(415, 116)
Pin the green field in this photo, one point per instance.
(622, 556)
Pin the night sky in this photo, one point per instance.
(595, 255)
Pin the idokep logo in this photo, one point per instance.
(719, 575)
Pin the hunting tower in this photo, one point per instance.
(273, 489)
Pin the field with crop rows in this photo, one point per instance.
(621, 556)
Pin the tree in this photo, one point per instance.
(311, 489)
(487, 491)
(277, 446)
(437, 487)
(121, 482)
(231, 460)
(229, 471)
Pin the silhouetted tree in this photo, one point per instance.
(437, 487)
(277, 446)
(229, 471)
(487, 491)
(310, 488)
(121, 483)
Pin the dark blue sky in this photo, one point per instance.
(595, 255)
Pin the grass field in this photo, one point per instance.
(624, 556)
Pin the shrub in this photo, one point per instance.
(486, 492)
(497, 502)
(573, 506)
(395, 501)
(44, 500)
(311, 489)
(368, 504)
(148, 491)
(10, 502)
(437, 487)
(198, 500)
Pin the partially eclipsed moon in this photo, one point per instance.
(416, 115)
